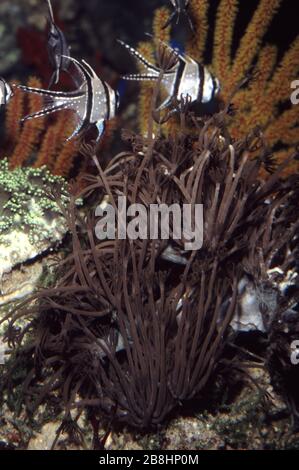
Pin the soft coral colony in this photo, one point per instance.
(133, 328)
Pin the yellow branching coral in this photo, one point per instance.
(145, 95)
(251, 40)
(199, 12)
(41, 141)
(259, 103)
(226, 17)
(65, 158)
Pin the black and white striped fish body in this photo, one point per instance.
(94, 102)
(5, 92)
(103, 104)
(194, 79)
(187, 77)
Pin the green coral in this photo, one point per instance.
(25, 204)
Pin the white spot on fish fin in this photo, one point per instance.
(140, 77)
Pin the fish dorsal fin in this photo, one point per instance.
(187, 59)
(139, 57)
(85, 69)
(167, 46)
(180, 55)
(91, 70)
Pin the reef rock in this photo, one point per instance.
(31, 221)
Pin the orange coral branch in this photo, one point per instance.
(145, 96)
(258, 111)
(282, 155)
(199, 13)
(60, 131)
(264, 68)
(251, 41)
(279, 87)
(283, 128)
(31, 130)
(161, 16)
(48, 148)
(14, 114)
(225, 20)
(66, 158)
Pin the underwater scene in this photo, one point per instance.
(149, 225)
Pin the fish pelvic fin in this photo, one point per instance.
(100, 125)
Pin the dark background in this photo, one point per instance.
(92, 27)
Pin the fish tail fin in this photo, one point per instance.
(39, 91)
(52, 101)
(43, 112)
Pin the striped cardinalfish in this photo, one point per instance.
(94, 102)
(186, 77)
